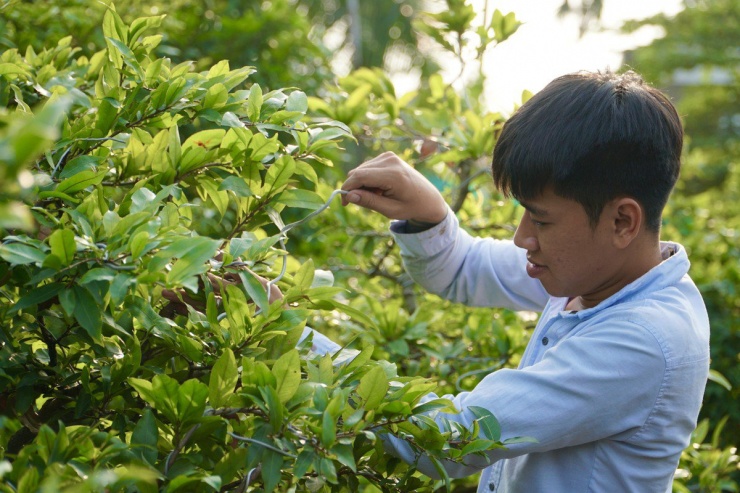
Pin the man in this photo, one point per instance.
(610, 385)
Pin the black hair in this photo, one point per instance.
(593, 137)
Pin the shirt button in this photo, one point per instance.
(545, 340)
(491, 486)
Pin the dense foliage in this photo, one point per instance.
(143, 198)
(140, 349)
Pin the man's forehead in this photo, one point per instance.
(533, 207)
(548, 203)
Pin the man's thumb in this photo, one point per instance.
(370, 200)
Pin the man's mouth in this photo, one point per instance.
(534, 269)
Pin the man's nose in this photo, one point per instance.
(525, 236)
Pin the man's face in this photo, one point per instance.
(569, 257)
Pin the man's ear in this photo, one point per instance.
(628, 217)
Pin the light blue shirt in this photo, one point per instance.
(611, 393)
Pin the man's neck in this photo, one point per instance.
(638, 262)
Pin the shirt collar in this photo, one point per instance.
(670, 271)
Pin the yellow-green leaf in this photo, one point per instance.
(373, 387)
(62, 243)
(287, 372)
(224, 377)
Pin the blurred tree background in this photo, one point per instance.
(342, 54)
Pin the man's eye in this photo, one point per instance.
(538, 223)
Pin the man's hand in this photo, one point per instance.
(388, 185)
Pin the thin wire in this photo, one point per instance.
(318, 211)
(248, 479)
(283, 237)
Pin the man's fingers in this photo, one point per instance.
(368, 178)
(381, 172)
(354, 197)
(376, 202)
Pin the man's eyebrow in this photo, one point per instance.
(533, 210)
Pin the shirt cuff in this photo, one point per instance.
(429, 242)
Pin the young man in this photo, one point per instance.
(611, 383)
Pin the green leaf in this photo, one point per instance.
(441, 471)
(260, 147)
(20, 254)
(137, 243)
(164, 396)
(254, 105)
(328, 134)
(58, 195)
(373, 387)
(145, 390)
(216, 96)
(113, 26)
(287, 372)
(328, 430)
(128, 57)
(272, 463)
(142, 311)
(489, 425)
(504, 25)
(87, 312)
(304, 199)
(362, 357)
(200, 249)
(36, 296)
(237, 246)
(146, 435)
(237, 185)
(205, 139)
(98, 274)
(79, 164)
(63, 246)
(231, 120)
(303, 463)
(138, 26)
(440, 405)
(13, 69)
(119, 287)
(297, 101)
(80, 181)
(223, 380)
(329, 304)
(279, 174)
(304, 277)
(237, 312)
(142, 200)
(479, 445)
(720, 379)
(256, 291)
(191, 401)
(256, 373)
(275, 408)
(345, 455)
(327, 470)
(68, 301)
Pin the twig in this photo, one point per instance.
(173, 455)
(262, 444)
